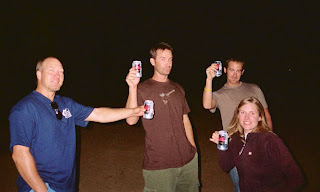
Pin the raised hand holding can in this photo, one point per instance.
(137, 66)
(219, 71)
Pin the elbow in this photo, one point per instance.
(206, 106)
(15, 157)
(130, 122)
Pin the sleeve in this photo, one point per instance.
(226, 160)
(260, 96)
(140, 100)
(186, 108)
(214, 96)
(81, 112)
(22, 129)
(282, 158)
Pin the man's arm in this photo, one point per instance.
(207, 101)
(268, 118)
(132, 101)
(26, 166)
(106, 115)
(188, 129)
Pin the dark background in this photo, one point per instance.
(97, 42)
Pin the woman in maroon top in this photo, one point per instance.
(264, 163)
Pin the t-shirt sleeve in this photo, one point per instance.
(214, 96)
(139, 99)
(186, 108)
(260, 97)
(22, 129)
(81, 112)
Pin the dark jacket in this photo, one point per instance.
(264, 163)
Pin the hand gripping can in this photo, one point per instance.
(223, 140)
(149, 106)
(219, 71)
(137, 66)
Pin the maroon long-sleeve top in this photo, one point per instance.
(264, 163)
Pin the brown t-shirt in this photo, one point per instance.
(166, 143)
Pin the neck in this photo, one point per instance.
(47, 94)
(233, 84)
(160, 78)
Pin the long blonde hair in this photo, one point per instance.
(235, 126)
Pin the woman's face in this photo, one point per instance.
(248, 117)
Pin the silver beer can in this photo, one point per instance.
(223, 140)
(149, 106)
(219, 71)
(137, 66)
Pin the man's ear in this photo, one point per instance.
(225, 70)
(242, 72)
(152, 61)
(38, 73)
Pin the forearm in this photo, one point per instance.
(106, 115)
(188, 129)
(132, 102)
(26, 167)
(226, 161)
(207, 95)
(268, 118)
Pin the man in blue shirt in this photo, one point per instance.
(42, 131)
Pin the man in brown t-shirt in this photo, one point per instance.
(170, 157)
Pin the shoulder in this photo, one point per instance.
(145, 84)
(64, 99)
(268, 137)
(28, 102)
(249, 85)
(177, 85)
(221, 90)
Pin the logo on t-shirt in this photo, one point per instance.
(66, 113)
(165, 96)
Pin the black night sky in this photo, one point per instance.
(97, 42)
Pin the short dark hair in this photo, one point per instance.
(235, 59)
(161, 46)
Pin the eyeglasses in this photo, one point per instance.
(54, 106)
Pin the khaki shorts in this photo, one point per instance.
(182, 179)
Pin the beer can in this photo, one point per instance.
(219, 71)
(149, 106)
(223, 140)
(137, 66)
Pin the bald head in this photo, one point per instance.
(50, 75)
(41, 62)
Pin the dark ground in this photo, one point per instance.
(111, 154)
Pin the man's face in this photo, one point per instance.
(51, 76)
(163, 62)
(234, 72)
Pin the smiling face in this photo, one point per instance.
(50, 76)
(249, 117)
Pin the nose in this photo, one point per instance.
(246, 116)
(234, 74)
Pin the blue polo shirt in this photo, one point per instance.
(52, 142)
